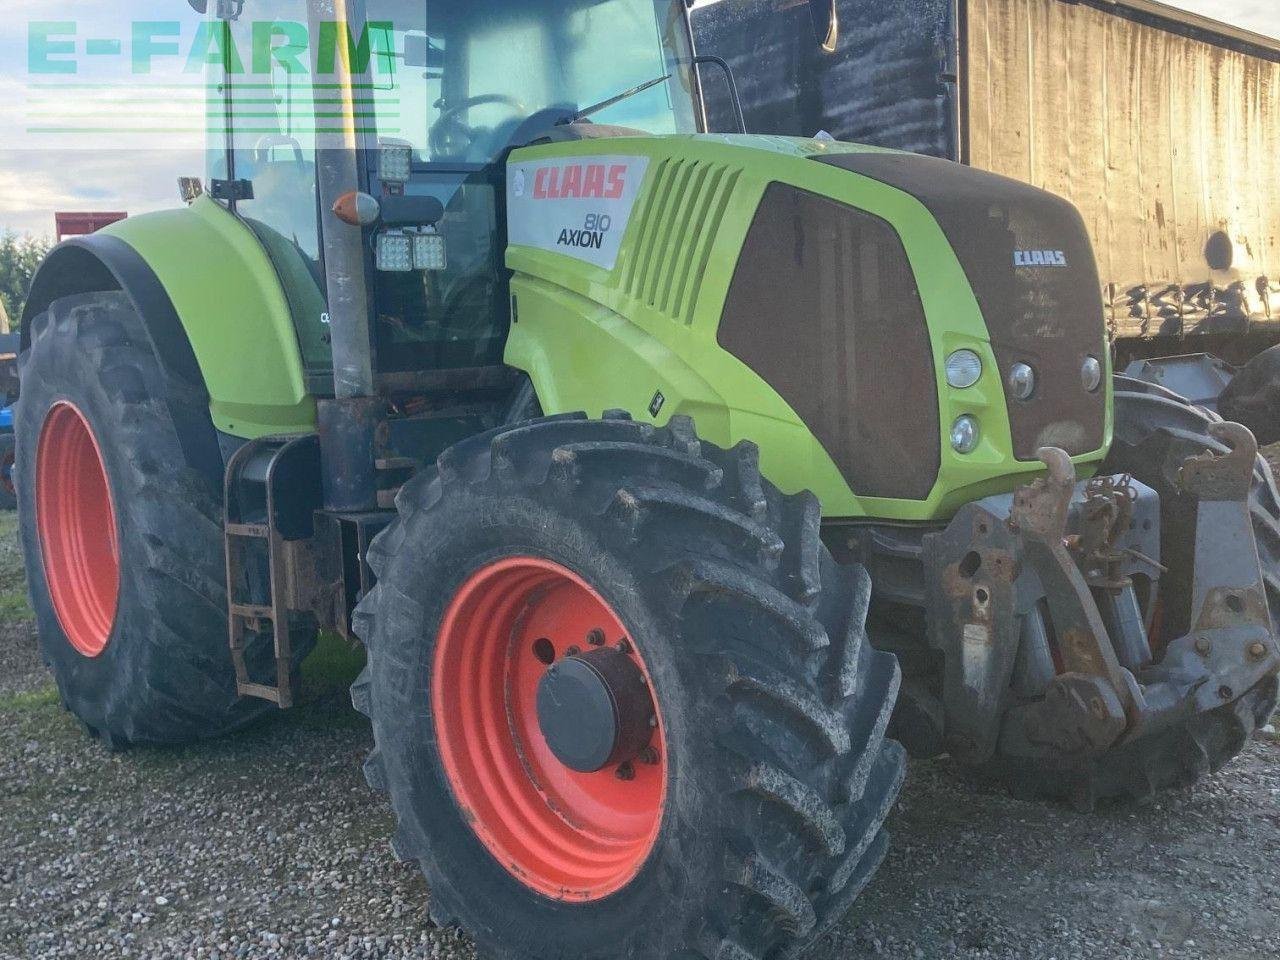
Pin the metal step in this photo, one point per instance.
(263, 692)
(249, 531)
(251, 611)
(245, 619)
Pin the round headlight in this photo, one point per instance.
(1022, 381)
(964, 369)
(1091, 374)
(965, 435)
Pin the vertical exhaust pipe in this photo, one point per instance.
(349, 422)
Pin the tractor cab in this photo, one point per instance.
(432, 96)
(373, 174)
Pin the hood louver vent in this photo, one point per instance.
(677, 223)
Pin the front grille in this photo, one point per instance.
(824, 308)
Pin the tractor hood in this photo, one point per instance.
(807, 295)
(1030, 262)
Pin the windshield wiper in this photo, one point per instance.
(597, 107)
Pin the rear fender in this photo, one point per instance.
(213, 305)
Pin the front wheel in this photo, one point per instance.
(623, 700)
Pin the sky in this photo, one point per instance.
(39, 176)
(1262, 16)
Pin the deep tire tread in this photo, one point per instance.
(803, 716)
(171, 679)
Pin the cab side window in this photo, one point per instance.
(272, 106)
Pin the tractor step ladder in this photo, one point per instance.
(255, 465)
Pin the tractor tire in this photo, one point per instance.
(8, 491)
(1253, 397)
(119, 481)
(1156, 430)
(749, 822)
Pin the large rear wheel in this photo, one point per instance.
(622, 698)
(119, 477)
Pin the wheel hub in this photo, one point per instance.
(595, 710)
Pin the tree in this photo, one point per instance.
(20, 256)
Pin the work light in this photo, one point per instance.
(395, 161)
(395, 252)
(428, 252)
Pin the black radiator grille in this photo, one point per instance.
(824, 307)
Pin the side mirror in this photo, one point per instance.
(418, 52)
(826, 23)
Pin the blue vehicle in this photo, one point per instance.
(8, 494)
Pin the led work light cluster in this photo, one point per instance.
(964, 370)
(405, 249)
(408, 251)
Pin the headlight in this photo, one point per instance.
(964, 369)
(1091, 374)
(1022, 381)
(965, 434)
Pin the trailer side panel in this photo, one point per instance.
(1168, 142)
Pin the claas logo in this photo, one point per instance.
(1039, 258)
(580, 181)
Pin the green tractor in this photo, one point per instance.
(431, 381)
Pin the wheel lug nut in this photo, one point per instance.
(1203, 646)
(626, 771)
(595, 637)
(1258, 651)
(649, 755)
(624, 645)
(573, 651)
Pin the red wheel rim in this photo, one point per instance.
(77, 525)
(565, 834)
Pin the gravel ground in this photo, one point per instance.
(269, 845)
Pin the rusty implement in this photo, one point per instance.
(1042, 604)
(1231, 643)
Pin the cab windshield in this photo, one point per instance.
(470, 79)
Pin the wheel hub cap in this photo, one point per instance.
(594, 710)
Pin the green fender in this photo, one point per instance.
(224, 294)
